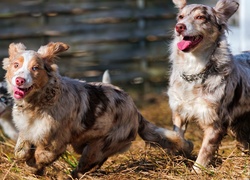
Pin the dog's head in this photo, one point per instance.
(199, 25)
(28, 70)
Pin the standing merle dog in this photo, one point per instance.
(208, 84)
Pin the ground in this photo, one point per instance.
(140, 161)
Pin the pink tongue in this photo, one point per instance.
(18, 94)
(184, 45)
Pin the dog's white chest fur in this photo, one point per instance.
(191, 103)
(34, 130)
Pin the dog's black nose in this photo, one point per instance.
(180, 27)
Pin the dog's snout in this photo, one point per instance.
(20, 81)
(180, 27)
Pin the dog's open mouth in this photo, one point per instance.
(189, 42)
(20, 93)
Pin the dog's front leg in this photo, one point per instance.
(211, 140)
(45, 155)
(23, 149)
(180, 126)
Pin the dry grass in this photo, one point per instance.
(140, 162)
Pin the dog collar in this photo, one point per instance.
(202, 75)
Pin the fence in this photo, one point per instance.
(128, 37)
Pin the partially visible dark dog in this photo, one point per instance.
(6, 122)
(208, 84)
(51, 111)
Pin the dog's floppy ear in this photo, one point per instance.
(49, 51)
(225, 9)
(6, 63)
(180, 3)
(15, 48)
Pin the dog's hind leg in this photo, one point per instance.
(91, 157)
(241, 130)
(96, 153)
(243, 138)
(211, 141)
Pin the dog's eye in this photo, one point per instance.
(180, 17)
(16, 65)
(3, 99)
(201, 17)
(34, 68)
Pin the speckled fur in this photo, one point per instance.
(97, 119)
(221, 102)
(6, 103)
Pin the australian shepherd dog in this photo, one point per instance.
(52, 111)
(207, 83)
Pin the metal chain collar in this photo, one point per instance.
(202, 75)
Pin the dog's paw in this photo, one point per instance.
(244, 147)
(75, 174)
(188, 147)
(44, 157)
(33, 168)
(23, 150)
(196, 169)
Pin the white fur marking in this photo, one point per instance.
(35, 130)
(24, 72)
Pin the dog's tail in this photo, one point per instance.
(167, 139)
(106, 77)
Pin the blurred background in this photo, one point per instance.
(130, 38)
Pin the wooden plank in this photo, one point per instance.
(19, 8)
(101, 9)
(104, 32)
(120, 53)
(103, 52)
